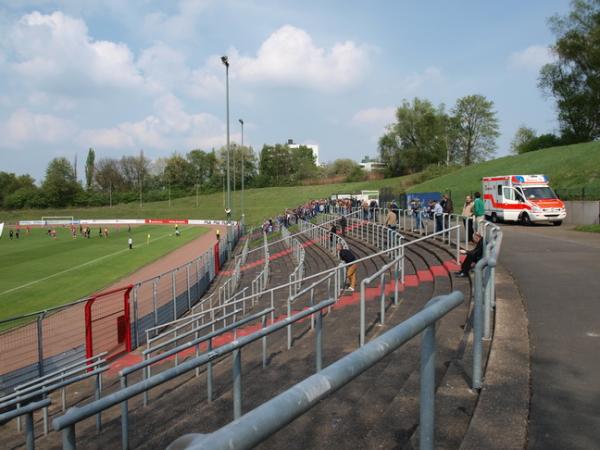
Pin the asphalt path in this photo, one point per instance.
(558, 273)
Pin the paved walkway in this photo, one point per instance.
(558, 273)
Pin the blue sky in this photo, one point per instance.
(123, 76)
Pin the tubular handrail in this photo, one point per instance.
(47, 389)
(67, 421)
(26, 411)
(154, 359)
(174, 339)
(260, 423)
(64, 371)
(300, 232)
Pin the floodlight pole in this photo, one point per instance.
(225, 61)
(242, 202)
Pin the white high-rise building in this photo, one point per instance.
(313, 147)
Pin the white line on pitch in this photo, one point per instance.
(72, 268)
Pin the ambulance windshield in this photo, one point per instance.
(539, 193)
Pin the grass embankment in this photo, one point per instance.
(588, 228)
(39, 272)
(259, 204)
(573, 166)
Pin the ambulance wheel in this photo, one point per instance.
(557, 223)
(525, 219)
(494, 218)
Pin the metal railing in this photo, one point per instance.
(87, 368)
(67, 422)
(26, 411)
(260, 423)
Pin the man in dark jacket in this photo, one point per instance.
(348, 257)
(343, 224)
(472, 256)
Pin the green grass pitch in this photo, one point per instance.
(38, 272)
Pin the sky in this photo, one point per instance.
(121, 76)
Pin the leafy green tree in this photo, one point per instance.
(10, 183)
(574, 78)
(526, 140)
(303, 164)
(89, 168)
(417, 139)
(522, 140)
(60, 185)
(475, 128)
(179, 172)
(107, 175)
(275, 165)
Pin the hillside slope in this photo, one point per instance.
(568, 167)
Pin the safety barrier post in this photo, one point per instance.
(427, 394)
(237, 383)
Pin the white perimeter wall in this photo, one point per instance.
(582, 212)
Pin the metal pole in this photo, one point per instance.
(30, 436)
(225, 61)
(242, 201)
(40, 342)
(237, 383)
(427, 394)
(478, 324)
(124, 418)
(174, 295)
(319, 341)
(68, 438)
(209, 374)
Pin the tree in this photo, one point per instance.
(107, 175)
(476, 128)
(60, 185)
(522, 140)
(179, 172)
(417, 139)
(10, 183)
(89, 168)
(275, 165)
(303, 163)
(574, 78)
(526, 140)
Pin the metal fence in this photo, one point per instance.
(388, 244)
(44, 344)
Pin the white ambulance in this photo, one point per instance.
(522, 198)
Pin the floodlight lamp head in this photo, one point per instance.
(241, 121)
(225, 61)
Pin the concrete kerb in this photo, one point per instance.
(501, 416)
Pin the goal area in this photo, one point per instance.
(58, 220)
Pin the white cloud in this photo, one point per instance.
(170, 127)
(24, 126)
(289, 57)
(377, 116)
(56, 52)
(532, 58)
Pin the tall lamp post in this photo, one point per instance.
(242, 203)
(225, 61)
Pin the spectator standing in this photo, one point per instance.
(130, 243)
(343, 223)
(391, 221)
(478, 211)
(467, 213)
(348, 257)
(438, 214)
(395, 210)
(10, 234)
(218, 234)
(332, 233)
